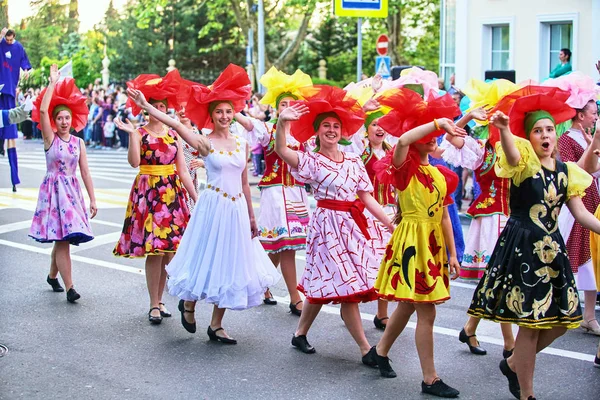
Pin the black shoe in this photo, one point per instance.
(154, 320)
(14, 188)
(294, 309)
(507, 353)
(55, 284)
(270, 301)
(369, 358)
(72, 295)
(212, 335)
(379, 322)
(597, 362)
(302, 344)
(513, 381)
(440, 389)
(464, 338)
(385, 369)
(166, 313)
(190, 327)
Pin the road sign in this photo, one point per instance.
(382, 66)
(361, 8)
(382, 45)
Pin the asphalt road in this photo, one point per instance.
(103, 347)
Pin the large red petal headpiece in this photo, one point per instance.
(553, 104)
(323, 99)
(68, 94)
(506, 103)
(156, 88)
(233, 85)
(410, 110)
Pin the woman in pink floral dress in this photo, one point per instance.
(157, 213)
(60, 216)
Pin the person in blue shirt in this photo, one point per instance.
(565, 64)
(13, 59)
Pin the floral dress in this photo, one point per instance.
(414, 268)
(157, 213)
(529, 280)
(60, 213)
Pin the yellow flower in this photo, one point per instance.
(546, 250)
(129, 210)
(572, 302)
(551, 197)
(514, 302)
(169, 196)
(153, 180)
(148, 223)
(168, 139)
(547, 273)
(162, 232)
(541, 306)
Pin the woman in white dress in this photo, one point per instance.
(218, 260)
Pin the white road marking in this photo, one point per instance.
(101, 240)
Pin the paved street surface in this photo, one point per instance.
(103, 347)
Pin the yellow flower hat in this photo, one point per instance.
(279, 83)
(487, 94)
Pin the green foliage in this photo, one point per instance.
(318, 81)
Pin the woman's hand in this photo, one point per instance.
(371, 105)
(376, 83)
(196, 163)
(453, 268)
(93, 209)
(126, 126)
(137, 97)
(478, 114)
(499, 120)
(450, 128)
(293, 113)
(54, 74)
(390, 227)
(253, 227)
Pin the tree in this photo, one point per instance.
(3, 13)
(73, 22)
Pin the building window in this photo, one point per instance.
(561, 36)
(447, 39)
(500, 48)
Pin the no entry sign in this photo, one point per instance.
(382, 45)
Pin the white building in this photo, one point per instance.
(521, 35)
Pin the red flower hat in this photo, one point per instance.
(322, 99)
(156, 88)
(553, 104)
(233, 86)
(66, 93)
(507, 102)
(410, 110)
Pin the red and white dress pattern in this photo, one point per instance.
(341, 263)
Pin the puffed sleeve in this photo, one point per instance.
(528, 166)
(364, 182)
(578, 180)
(451, 183)
(307, 167)
(260, 133)
(399, 177)
(470, 156)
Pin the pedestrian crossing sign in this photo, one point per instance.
(383, 66)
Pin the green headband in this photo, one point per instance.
(371, 117)
(154, 101)
(321, 117)
(417, 88)
(532, 117)
(283, 96)
(59, 108)
(213, 104)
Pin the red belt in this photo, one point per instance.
(356, 209)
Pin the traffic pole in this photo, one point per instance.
(261, 43)
(359, 50)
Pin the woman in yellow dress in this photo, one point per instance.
(416, 268)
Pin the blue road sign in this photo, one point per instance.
(383, 66)
(362, 4)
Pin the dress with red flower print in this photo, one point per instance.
(157, 214)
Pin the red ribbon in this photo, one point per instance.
(355, 208)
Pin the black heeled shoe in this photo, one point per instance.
(464, 338)
(55, 284)
(513, 381)
(212, 335)
(72, 296)
(507, 353)
(166, 313)
(190, 327)
(369, 359)
(154, 320)
(14, 188)
(440, 389)
(385, 369)
(379, 322)
(270, 301)
(294, 309)
(301, 343)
